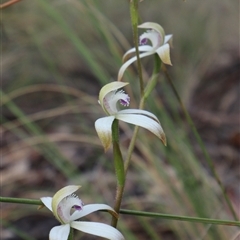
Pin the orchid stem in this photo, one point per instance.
(70, 236)
(131, 148)
(117, 206)
(153, 81)
(201, 144)
(150, 86)
(119, 169)
(134, 20)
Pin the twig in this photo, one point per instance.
(9, 3)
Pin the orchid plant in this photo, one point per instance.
(68, 208)
(160, 44)
(109, 97)
(65, 205)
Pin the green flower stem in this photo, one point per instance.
(201, 144)
(134, 21)
(136, 213)
(153, 81)
(119, 196)
(131, 147)
(150, 86)
(70, 236)
(118, 160)
(119, 169)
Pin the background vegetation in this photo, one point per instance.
(56, 55)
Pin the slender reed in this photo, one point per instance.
(136, 213)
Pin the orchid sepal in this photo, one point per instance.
(98, 229)
(164, 54)
(144, 121)
(59, 232)
(103, 127)
(90, 208)
(130, 61)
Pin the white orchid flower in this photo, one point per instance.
(68, 208)
(159, 45)
(108, 99)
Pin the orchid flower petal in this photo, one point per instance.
(130, 61)
(145, 122)
(168, 38)
(132, 50)
(139, 111)
(60, 232)
(59, 196)
(144, 48)
(164, 53)
(98, 229)
(47, 201)
(92, 208)
(103, 127)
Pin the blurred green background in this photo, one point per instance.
(55, 57)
